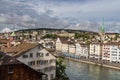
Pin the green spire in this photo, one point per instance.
(13, 34)
(102, 29)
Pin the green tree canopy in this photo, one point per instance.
(60, 70)
(52, 36)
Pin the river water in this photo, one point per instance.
(83, 71)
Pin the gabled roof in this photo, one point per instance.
(112, 43)
(63, 40)
(20, 49)
(66, 40)
(8, 60)
(4, 41)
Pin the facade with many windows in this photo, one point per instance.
(111, 52)
(41, 60)
(36, 57)
(95, 50)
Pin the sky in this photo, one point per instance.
(66, 14)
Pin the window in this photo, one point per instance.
(31, 55)
(39, 70)
(38, 62)
(47, 54)
(25, 56)
(10, 69)
(39, 47)
(39, 54)
(31, 63)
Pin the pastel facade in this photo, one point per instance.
(106, 52)
(111, 52)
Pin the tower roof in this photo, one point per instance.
(102, 29)
(13, 34)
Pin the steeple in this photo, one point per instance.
(102, 29)
(13, 34)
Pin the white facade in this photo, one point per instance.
(78, 49)
(41, 60)
(58, 45)
(114, 53)
(95, 50)
(81, 50)
(72, 48)
(84, 51)
(65, 48)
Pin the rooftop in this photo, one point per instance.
(20, 48)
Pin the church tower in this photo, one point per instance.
(102, 31)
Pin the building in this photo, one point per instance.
(49, 45)
(78, 49)
(35, 56)
(102, 32)
(12, 69)
(71, 48)
(106, 52)
(111, 52)
(82, 50)
(95, 50)
(66, 45)
(62, 44)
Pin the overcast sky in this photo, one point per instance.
(74, 14)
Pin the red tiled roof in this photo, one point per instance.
(112, 43)
(4, 41)
(20, 49)
(66, 40)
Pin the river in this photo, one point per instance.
(83, 71)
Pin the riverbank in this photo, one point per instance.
(82, 71)
(93, 63)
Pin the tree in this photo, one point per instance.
(60, 70)
(116, 36)
(52, 36)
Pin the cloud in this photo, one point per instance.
(83, 9)
(61, 13)
(25, 15)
